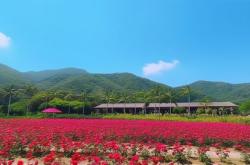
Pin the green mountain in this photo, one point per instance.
(76, 80)
(11, 76)
(221, 91)
(46, 74)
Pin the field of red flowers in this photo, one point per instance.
(99, 141)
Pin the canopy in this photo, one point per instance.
(52, 110)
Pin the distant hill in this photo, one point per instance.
(221, 91)
(11, 76)
(77, 79)
(43, 75)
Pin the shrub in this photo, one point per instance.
(179, 110)
(208, 111)
(19, 108)
(200, 111)
(246, 158)
(205, 159)
(245, 108)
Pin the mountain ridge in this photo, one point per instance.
(76, 79)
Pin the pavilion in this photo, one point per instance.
(121, 108)
(166, 107)
(161, 107)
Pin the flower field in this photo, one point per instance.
(135, 142)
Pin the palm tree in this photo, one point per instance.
(206, 101)
(9, 92)
(125, 98)
(109, 97)
(186, 91)
(157, 94)
(144, 97)
(2, 96)
(171, 96)
(113, 99)
(48, 95)
(68, 98)
(29, 91)
(84, 95)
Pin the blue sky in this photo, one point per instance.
(171, 41)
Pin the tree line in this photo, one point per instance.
(28, 99)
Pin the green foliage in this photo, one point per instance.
(200, 111)
(179, 110)
(246, 158)
(77, 105)
(245, 107)
(181, 158)
(19, 108)
(208, 111)
(10, 76)
(221, 91)
(205, 159)
(198, 118)
(57, 102)
(64, 89)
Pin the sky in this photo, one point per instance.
(175, 42)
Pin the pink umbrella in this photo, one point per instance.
(52, 110)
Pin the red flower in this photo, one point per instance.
(20, 162)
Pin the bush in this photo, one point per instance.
(19, 108)
(246, 158)
(208, 111)
(179, 110)
(205, 159)
(200, 111)
(1, 109)
(245, 108)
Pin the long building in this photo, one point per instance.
(162, 107)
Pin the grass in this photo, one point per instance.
(199, 118)
(193, 118)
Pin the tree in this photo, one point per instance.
(245, 108)
(69, 98)
(3, 94)
(84, 95)
(124, 98)
(19, 107)
(47, 96)
(113, 98)
(58, 103)
(76, 105)
(39, 101)
(186, 91)
(29, 91)
(143, 97)
(157, 95)
(172, 97)
(109, 97)
(10, 92)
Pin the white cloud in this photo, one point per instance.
(160, 67)
(4, 40)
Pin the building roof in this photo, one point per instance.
(167, 105)
(121, 105)
(161, 105)
(222, 104)
(192, 104)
